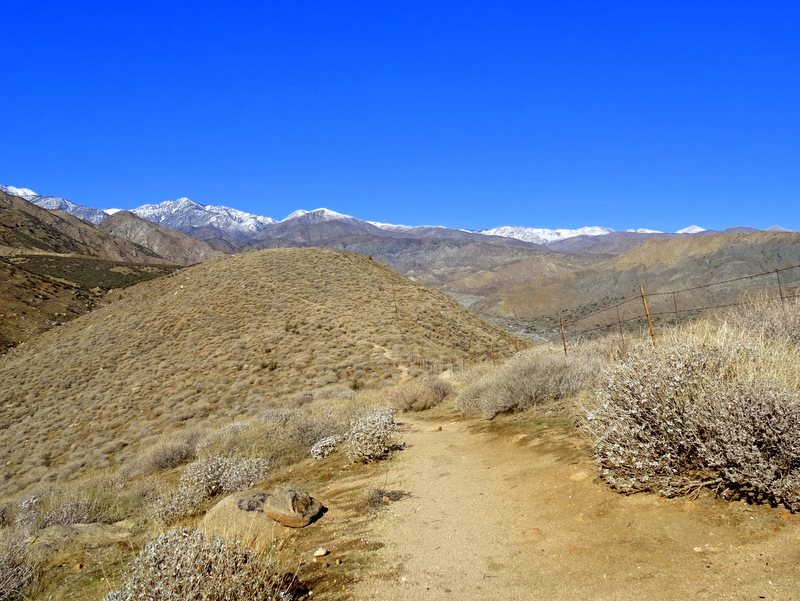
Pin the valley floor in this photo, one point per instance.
(524, 516)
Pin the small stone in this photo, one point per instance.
(785, 516)
(520, 439)
(77, 566)
(338, 562)
(385, 499)
(321, 552)
(580, 518)
(579, 476)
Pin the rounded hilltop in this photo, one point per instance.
(230, 337)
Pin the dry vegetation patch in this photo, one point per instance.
(228, 338)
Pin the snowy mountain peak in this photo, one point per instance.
(542, 235)
(186, 215)
(54, 203)
(317, 215)
(21, 192)
(692, 229)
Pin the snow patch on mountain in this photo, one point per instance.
(317, 215)
(185, 214)
(60, 204)
(21, 192)
(643, 230)
(692, 229)
(542, 235)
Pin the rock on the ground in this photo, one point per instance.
(291, 507)
(255, 516)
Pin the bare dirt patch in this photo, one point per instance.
(524, 516)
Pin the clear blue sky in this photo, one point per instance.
(466, 114)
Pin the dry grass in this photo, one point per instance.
(536, 378)
(217, 342)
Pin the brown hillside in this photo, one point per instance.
(23, 225)
(660, 266)
(170, 244)
(229, 337)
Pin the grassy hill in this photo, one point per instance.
(231, 337)
(659, 265)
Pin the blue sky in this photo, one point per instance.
(465, 114)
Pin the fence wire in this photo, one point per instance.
(671, 307)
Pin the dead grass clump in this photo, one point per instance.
(706, 411)
(769, 318)
(531, 379)
(18, 571)
(419, 395)
(188, 566)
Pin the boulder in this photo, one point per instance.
(291, 507)
(255, 516)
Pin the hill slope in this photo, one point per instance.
(170, 244)
(660, 266)
(232, 336)
(24, 225)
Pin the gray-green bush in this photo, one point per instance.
(694, 414)
(187, 566)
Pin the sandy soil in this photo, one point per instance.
(525, 517)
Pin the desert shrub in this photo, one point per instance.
(683, 417)
(18, 572)
(419, 395)
(187, 566)
(325, 446)
(170, 454)
(532, 378)
(217, 475)
(769, 318)
(207, 478)
(370, 435)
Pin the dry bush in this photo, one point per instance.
(769, 318)
(419, 395)
(710, 410)
(370, 435)
(188, 566)
(169, 454)
(532, 378)
(18, 571)
(207, 478)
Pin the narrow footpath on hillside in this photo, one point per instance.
(490, 516)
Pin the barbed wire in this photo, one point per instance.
(571, 323)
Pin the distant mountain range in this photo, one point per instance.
(219, 223)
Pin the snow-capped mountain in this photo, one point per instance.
(692, 229)
(316, 216)
(542, 235)
(188, 216)
(52, 202)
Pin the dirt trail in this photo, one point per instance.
(491, 517)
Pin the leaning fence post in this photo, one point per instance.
(780, 285)
(563, 335)
(647, 313)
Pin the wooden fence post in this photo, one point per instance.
(647, 314)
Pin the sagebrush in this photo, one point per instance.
(187, 566)
(698, 412)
